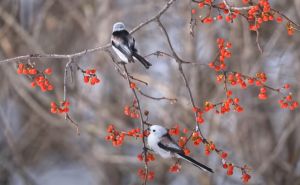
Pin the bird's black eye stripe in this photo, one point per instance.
(153, 130)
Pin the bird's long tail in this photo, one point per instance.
(142, 60)
(195, 163)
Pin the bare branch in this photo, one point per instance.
(172, 100)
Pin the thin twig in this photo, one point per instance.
(180, 62)
(172, 100)
(67, 116)
(142, 124)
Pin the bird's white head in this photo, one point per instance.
(119, 26)
(158, 130)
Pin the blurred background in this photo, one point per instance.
(39, 148)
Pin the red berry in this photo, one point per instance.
(50, 87)
(262, 96)
(224, 155)
(48, 71)
(193, 11)
(219, 17)
(86, 79)
(236, 100)
(286, 86)
(228, 93)
(263, 90)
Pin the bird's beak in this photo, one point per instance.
(148, 128)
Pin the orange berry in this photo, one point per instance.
(187, 151)
(279, 19)
(132, 85)
(289, 98)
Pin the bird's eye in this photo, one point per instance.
(153, 130)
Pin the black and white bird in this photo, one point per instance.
(162, 143)
(124, 45)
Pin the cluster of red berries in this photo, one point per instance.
(26, 69)
(135, 132)
(245, 177)
(258, 14)
(90, 77)
(43, 83)
(259, 80)
(115, 136)
(132, 111)
(287, 102)
(38, 78)
(199, 115)
(175, 168)
(263, 93)
(174, 131)
(225, 106)
(219, 63)
(221, 6)
(262, 12)
(196, 138)
(209, 147)
(142, 174)
(148, 158)
(229, 167)
(63, 107)
(235, 78)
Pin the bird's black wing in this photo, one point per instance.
(131, 42)
(120, 40)
(167, 143)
